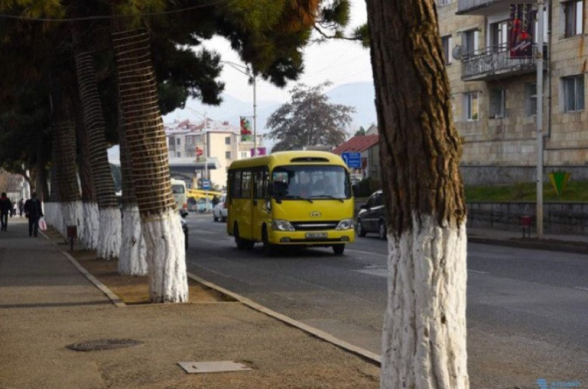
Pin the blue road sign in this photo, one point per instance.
(352, 160)
(205, 184)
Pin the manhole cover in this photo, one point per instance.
(103, 344)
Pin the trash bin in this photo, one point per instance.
(526, 224)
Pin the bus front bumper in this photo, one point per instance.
(311, 238)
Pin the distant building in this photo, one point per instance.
(368, 146)
(219, 140)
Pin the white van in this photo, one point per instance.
(179, 191)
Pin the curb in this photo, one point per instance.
(113, 297)
(363, 353)
(533, 245)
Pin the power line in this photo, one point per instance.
(103, 17)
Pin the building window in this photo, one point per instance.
(497, 103)
(531, 99)
(227, 154)
(499, 36)
(573, 14)
(471, 106)
(178, 141)
(244, 154)
(573, 93)
(228, 140)
(469, 41)
(178, 155)
(446, 42)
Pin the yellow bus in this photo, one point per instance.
(290, 198)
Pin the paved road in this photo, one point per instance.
(536, 295)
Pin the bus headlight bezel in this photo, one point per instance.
(345, 224)
(282, 225)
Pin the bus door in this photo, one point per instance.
(259, 211)
(244, 211)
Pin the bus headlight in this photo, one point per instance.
(345, 224)
(282, 225)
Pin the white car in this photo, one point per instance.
(219, 212)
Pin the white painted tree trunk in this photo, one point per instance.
(109, 237)
(166, 257)
(424, 336)
(131, 260)
(72, 215)
(91, 225)
(53, 216)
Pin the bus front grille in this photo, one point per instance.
(314, 226)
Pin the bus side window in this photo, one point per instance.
(260, 188)
(246, 184)
(237, 184)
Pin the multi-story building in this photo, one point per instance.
(494, 96)
(219, 140)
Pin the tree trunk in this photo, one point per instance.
(131, 260)
(52, 210)
(89, 203)
(424, 339)
(166, 257)
(109, 236)
(69, 192)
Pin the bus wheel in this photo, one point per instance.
(268, 248)
(241, 244)
(338, 249)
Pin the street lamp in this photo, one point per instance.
(253, 78)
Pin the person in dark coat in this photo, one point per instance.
(21, 207)
(5, 209)
(34, 211)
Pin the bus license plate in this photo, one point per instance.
(315, 235)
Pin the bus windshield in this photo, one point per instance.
(314, 182)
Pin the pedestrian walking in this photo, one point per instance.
(21, 207)
(34, 211)
(5, 209)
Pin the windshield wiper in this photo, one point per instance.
(330, 197)
(290, 197)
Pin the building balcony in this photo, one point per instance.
(494, 62)
(486, 7)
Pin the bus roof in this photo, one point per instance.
(290, 157)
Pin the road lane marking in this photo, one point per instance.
(477, 271)
(374, 272)
(366, 252)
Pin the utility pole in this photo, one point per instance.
(205, 152)
(539, 211)
(254, 117)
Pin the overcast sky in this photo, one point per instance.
(341, 62)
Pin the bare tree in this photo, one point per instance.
(424, 340)
(309, 120)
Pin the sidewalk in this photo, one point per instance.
(47, 304)
(552, 242)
